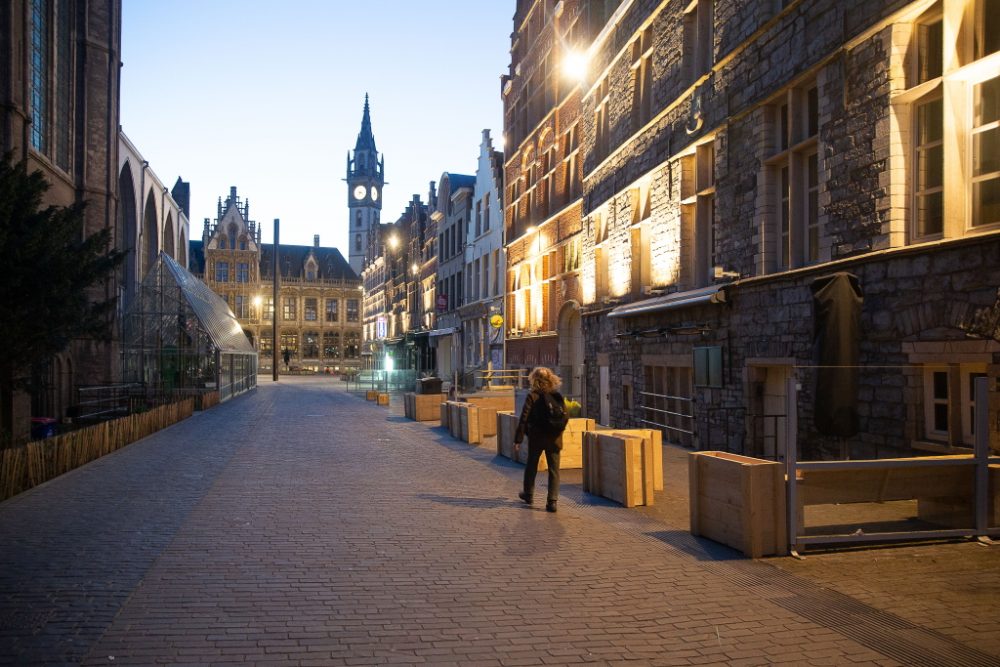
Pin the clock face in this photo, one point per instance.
(359, 192)
(374, 193)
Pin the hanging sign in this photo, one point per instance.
(496, 321)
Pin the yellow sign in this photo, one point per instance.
(496, 321)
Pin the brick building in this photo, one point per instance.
(542, 186)
(739, 155)
(319, 303)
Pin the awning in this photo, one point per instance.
(442, 332)
(673, 301)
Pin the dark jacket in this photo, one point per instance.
(525, 426)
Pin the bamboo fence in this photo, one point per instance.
(22, 468)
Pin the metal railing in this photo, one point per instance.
(659, 417)
(797, 472)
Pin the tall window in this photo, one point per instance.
(697, 40)
(222, 272)
(642, 78)
(352, 310)
(267, 306)
(331, 345)
(288, 308)
(486, 212)
(332, 310)
(794, 233)
(310, 345)
(602, 122)
(986, 150)
(39, 74)
(953, 105)
(265, 343)
(310, 309)
(698, 210)
(243, 272)
(352, 345)
(242, 310)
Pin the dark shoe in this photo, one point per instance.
(525, 497)
(550, 506)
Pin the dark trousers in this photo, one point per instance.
(531, 467)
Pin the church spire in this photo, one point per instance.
(366, 140)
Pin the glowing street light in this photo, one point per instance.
(574, 65)
(393, 242)
(414, 268)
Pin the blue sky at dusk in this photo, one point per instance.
(267, 96)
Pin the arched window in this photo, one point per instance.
(357, 241)
(222, 243)
(243, 242)
(357, 219)
(232, 236)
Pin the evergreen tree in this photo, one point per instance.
(47, 273)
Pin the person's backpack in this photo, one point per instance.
(549, 415)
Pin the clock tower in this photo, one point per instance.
(365, 178)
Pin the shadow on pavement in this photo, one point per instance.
(477, 503)
(700, 548)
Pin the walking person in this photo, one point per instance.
(543, 419)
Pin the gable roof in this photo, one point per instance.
(292, 260)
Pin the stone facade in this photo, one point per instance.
(736, 152)
(319, 300)
(542, 187)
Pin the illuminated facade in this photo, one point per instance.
(739, 154)
(542, 187)
(319, 303)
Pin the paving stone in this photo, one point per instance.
(259, 532)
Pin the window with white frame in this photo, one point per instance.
(950, 402)
(793, 233)
(951, 110)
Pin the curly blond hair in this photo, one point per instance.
(544, 380)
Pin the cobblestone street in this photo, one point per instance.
(302, 525)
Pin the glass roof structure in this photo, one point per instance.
(181, 336)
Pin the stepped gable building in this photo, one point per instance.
(319, 305)
(365, 180)
(59, 111)
(542, 185)
(484, 270)
(776, 191)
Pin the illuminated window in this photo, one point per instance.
(288, 308)
(39, 74)
(222, 272)
(331, 345)
(332, 310)
(352, 310)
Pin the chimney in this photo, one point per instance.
(315, 240)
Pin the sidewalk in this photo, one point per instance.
(302, 525)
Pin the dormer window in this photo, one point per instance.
(243, 243)
(221, 245)
(311, 269)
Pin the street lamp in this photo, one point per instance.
(574, 65)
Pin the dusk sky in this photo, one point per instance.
(268, 96)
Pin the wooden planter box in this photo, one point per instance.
(618, 467)
(445, 414)
(738, 501)
(651, 439)
(502, 402)
(506, 427)
(371, 395)
(422, 407)
(572, 437)
(383, 399)
(455, 418)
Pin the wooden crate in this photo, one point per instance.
(651, 438)
(738, 501)
(618, 467)
(477, 423)
(371, 395)
(445, 415)
(383, 399)
(455, 418)
(506, 427)
(422, 407)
